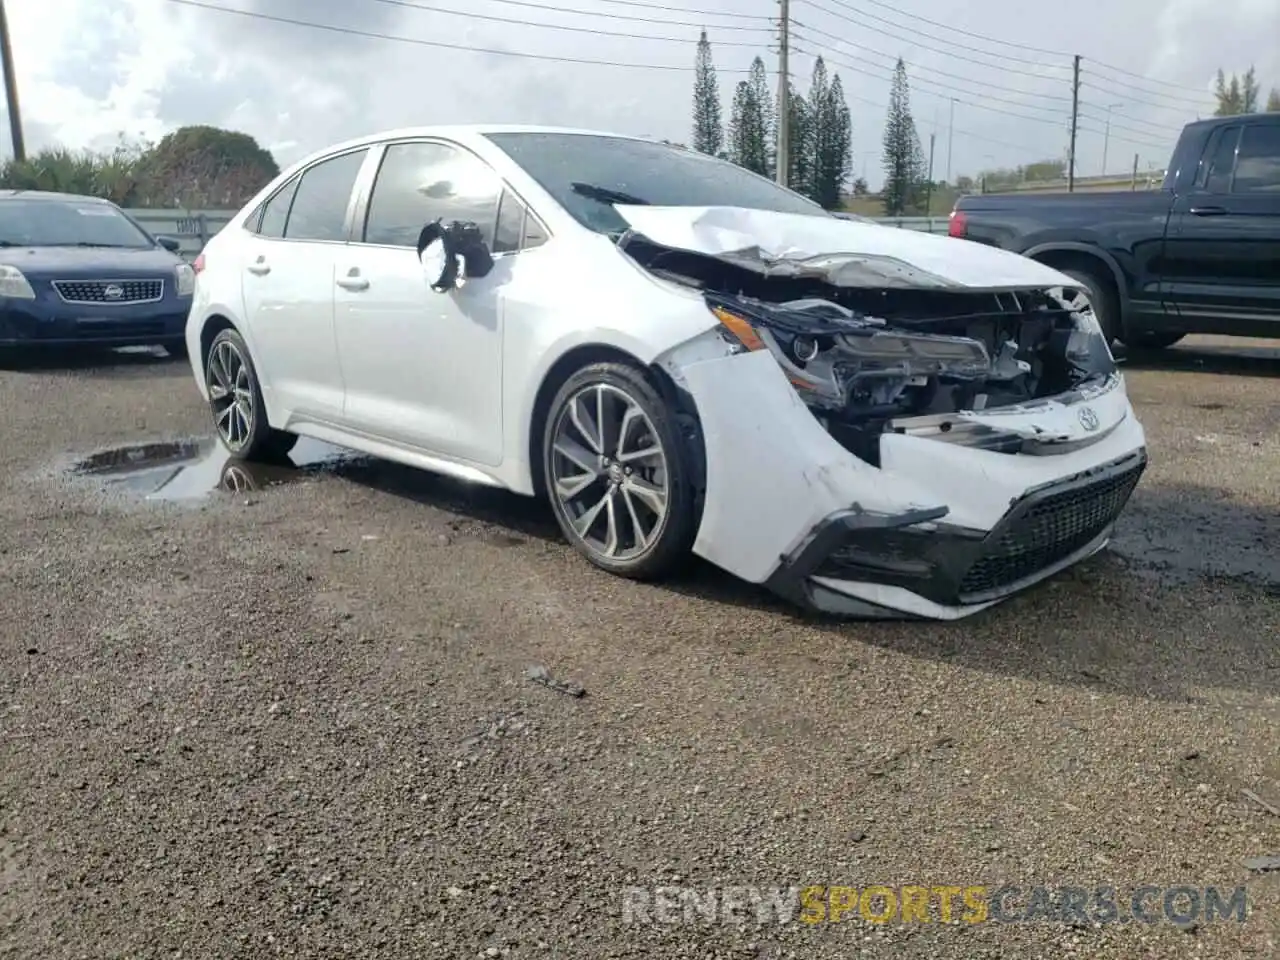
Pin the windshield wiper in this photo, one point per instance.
(605, 195)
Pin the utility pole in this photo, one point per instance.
(1135, 172)
(784, 91)
(1075, 121)
(1106, 135)
(951, 135)
(928, 193)
(11, 88)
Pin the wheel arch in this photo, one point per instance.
(588, 353)
(213, 325)
(1063, 256)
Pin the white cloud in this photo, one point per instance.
(91, 70)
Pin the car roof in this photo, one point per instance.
(49, 195)
(464, 133)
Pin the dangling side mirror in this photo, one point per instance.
(449, 255)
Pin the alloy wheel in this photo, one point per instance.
(231, 394)
(609, 473)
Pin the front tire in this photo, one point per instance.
(177, 349)
(235, 400)
(619, 472)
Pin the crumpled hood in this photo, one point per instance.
(844, 253)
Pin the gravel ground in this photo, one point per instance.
(295, 721)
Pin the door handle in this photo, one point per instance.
(259, 269)
(1208, 211)
(353, 283)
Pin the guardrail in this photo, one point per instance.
(193, 228)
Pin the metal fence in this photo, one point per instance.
(193, 228)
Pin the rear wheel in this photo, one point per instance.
(1102, 298)
(619, 473)
(235, 400)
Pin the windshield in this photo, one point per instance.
(67, 223)
(653, 173)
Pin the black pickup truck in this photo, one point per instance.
(1200, 255)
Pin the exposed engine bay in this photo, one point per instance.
(895, 357)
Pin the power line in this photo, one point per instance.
(492, 18)
(942, 73)
(981, 106)
(650, 5)
(1163, 83)
(1157, 129)
(1176, 101)
(950, 29)
(436, 44)
(1003, 57)
(1119, 90)
(472, 15)
(954, 30)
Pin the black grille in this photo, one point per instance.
(92, 330)
(109, 291)
(1047, 528)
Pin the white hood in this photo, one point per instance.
(844, 253)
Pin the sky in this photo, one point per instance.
(991, 81)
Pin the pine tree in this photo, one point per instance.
(815, 146)
(1273, 101)
(708, 134)
(763, 98)
(799, 133)
(830, 141)
(1237, 96)
(748, 130)
(903, 156)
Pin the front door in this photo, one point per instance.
(288, 272)
(1223, 250)
(423, 369)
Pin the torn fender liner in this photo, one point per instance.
(844, 253)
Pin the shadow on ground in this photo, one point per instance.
(92, 361)
(1247, 359)
(1186, 598)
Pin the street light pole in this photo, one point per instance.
(1106, 136)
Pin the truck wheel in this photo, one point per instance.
(1103, 299)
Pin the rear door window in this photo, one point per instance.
(319, 210)
(1220, 161)
(1258, 161)
(275, 212)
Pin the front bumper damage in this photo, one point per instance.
(938, 530)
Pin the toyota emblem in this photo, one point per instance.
(113, 291)
(1088, 419)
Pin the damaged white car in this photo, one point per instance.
(682, 356)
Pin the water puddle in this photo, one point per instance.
(185, 470)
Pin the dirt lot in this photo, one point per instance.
(295, 721)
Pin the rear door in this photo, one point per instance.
(288, 273)
(1221, 268)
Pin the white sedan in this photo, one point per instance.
(681, 356)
